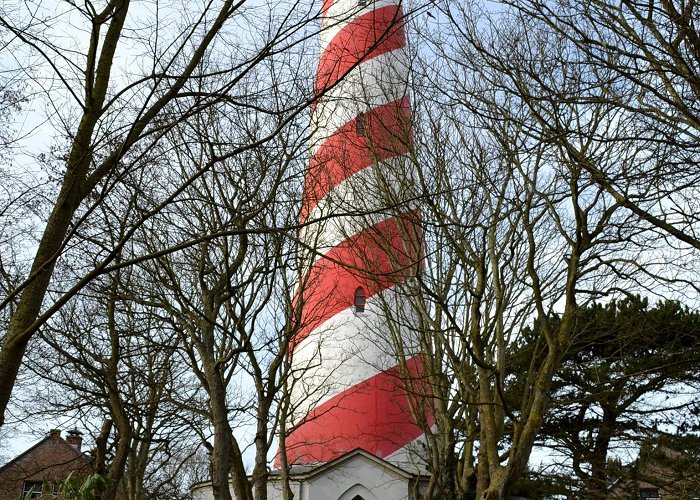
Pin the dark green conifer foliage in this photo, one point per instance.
(628, 372)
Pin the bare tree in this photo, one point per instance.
(516, 228)
(114, 92)
(105, 358)
(223, 296)
(638, 61)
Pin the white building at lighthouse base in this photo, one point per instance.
(357, 475)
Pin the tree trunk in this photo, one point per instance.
(73, 191)
(498, 487)
(222, 452)
(20, 329)
(599, 475)
(260, 469)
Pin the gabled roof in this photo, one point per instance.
(310, 471)
(307, 472)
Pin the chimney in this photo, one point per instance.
(55, 434)
(75, 438)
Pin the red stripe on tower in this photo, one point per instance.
(367, 36)
(341, 424)
(361, 244)
(346, 151)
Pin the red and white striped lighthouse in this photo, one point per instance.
(356, 356)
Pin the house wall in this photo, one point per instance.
(355, 476)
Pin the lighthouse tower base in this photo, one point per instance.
(357, 475)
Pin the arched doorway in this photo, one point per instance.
(357, 492)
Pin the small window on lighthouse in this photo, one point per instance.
(360, 300)
(362, 3)
(360, 125)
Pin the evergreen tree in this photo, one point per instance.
(629, 369)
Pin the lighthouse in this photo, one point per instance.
(357, 369)
(358, 403)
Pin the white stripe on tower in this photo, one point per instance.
(360, 234)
